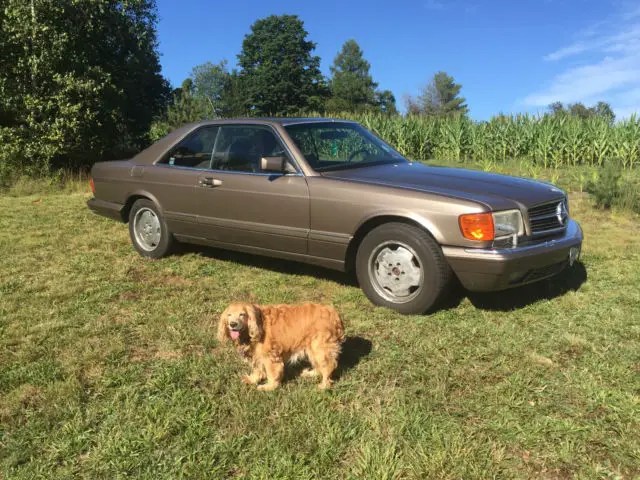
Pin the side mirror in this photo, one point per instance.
(276, 165)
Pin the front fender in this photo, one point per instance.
(425, 223)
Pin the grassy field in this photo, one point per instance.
(109, 366)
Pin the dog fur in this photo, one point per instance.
(269, 336)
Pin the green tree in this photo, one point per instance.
(386, 101)
(600, 110)
(352, 87)
(209, 82)
(439, 98)
(280, 75)
(557, 108)
(187, 106)
(604, 110)
(235, 96)
(579, 110)
(79, 81)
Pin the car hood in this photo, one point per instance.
(468, 184)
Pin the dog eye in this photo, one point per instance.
(243, 314)
(228, 314)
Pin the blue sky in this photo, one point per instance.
(509, 56)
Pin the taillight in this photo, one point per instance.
(92, 185)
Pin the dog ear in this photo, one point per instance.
(255, 323)
(223, 330)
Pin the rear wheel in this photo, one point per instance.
(148, 230)
(401, 267)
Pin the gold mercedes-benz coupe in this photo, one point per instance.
(330, 193)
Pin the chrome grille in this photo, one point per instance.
(548, 218)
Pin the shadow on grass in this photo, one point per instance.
(269, 263)
(569, 280)
(354, 349)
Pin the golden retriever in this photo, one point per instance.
(268, 336)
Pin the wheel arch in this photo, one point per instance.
(375, 221)
(132, 198)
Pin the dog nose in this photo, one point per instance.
(233, 324)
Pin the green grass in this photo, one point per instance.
(109, 366)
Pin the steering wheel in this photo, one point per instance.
(356, 153)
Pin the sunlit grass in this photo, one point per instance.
(109, 366)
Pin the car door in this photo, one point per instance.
(174, 179)
(239, 204)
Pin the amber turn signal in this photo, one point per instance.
(92, 185)
(477, 226)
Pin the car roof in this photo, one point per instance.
(272, 120)
(150, 154)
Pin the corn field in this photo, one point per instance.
(544, 141)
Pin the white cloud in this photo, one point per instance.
(574, 49)
(585, 83)
(602, 64)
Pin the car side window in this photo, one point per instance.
(194, 151)
(239, 148)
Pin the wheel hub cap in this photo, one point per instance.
(396, 272)
(147, 229)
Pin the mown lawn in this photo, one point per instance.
(109, 366)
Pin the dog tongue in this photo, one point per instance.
(235, 335)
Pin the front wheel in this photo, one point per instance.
(401, 267)
(148, 230)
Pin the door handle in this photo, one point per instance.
(210, 182)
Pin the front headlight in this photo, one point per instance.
(507, 224)
(492, 226)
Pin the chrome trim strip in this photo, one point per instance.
(181, 217)
(543, 217)
(322, 261)
(332, 237)
(551, 202)
(280, 230)
(272, 174)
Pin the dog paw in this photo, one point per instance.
(325, 385)
(308, 372)
(268, 387)
(247, 379)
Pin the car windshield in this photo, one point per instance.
(335, 145)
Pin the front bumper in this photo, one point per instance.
(486, 270)
(106, 209)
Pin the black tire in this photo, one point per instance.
(156, 248)
(426, 257)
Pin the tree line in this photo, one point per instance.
(277, 75)
(80, 82)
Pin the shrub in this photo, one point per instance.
(605, 188)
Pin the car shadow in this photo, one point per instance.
(270, 263)
(569, 280)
